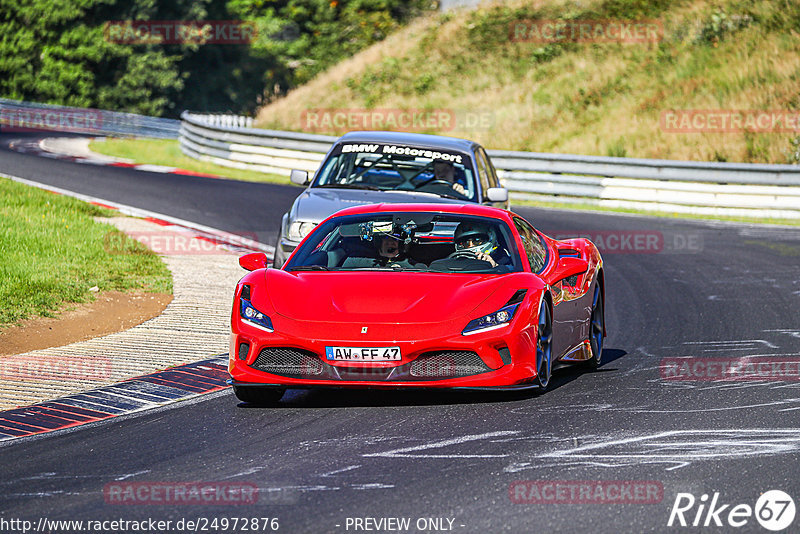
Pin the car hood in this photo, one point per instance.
(316, 204)
(378, 297)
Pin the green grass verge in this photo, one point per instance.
(52, 251)
(167, 152)
(568, 206)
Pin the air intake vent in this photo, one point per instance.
(448, 364)
(286, 361)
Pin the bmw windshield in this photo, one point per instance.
(387, 167)
(409, 241)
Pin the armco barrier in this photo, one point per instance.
(742, 189)
(28, 116)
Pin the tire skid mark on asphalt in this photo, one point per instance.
(673, 448)
(405, 452)
(133, 395)
(722, 385)
(339, 471)
(787, 331)
(571, 408)
(720, 409)
(726, 344)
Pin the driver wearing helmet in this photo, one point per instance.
(446, 172)
(478, 240)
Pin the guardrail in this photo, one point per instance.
(741, 189)
(21, 116)
(205, 137)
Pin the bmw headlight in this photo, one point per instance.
(491, 321)
(298, 230)
(251, 315)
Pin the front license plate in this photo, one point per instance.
(363, 354)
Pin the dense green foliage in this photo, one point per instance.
(55, 51)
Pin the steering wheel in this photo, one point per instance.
(464, 255)
(433, 180)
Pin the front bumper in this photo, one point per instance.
(502, 358)
(334, 386)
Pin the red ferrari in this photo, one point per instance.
(417, 296)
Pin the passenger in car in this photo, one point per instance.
(390, 251)
(393, 251)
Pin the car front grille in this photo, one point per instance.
(447, 364)
(287, 361)
(436, 365)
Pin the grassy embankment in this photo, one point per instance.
(53, 252)
(592, 98)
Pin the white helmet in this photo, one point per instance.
(475, 237)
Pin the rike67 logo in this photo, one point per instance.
(774, 510)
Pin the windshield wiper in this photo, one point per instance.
(310, 268)
(352, 186)
(395, 268)
(445, 195)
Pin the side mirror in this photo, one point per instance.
(497, 194)
(299, 177)
(251, 262)
(568, 266)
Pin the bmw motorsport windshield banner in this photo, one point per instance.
(402, 150)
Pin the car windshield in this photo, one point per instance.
(397, 167)
(411, 242)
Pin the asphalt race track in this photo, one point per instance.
(238, 207)
(683, 291)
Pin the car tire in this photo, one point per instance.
(597, 323)
(544, 347)
(257, 395)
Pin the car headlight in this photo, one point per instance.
(491, 321)
(251, 315)
(298, 230)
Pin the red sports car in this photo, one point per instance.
(417, 296)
